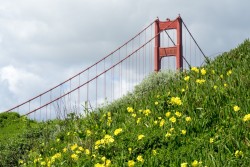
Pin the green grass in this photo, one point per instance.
(169, 120)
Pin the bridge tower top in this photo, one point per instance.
(176, 50)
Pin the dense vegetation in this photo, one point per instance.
(199, 117)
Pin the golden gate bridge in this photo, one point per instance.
(162, 45)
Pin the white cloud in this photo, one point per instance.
(20, 82)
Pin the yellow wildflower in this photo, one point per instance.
(159, 118)
(80, 148)
(146, 112)
(57, 140)
(184, 164)
(175, 101)
(43, 163)
(178, 114)
(134, 115)
(203, 71)
(87, 152)
(183, 132)
(200, 81)
(138, 120)
(188, 119)
(195, 69)
(221, 76)
(154, 152)
(73, 147)
(20, 161)
(103, 158)
(236, 108)
(108, 139)
(162, 122)
(215, 87)
(88, 132)
(229, 72)
(117, 131)
(168, 134)
(65, 149)
(246, 118)
(107, 163)
(130, 150)
(109, 114)
(99, 165)
(74, 157)
(155, 122)
(172, 119)
(78, 152)
(211, 140)
(130, 109)
(140, 137)
(225, 85)
(156, 103)
(168, 114)
(186, 78)
(238, 154)
(131, 163)
(195, 163)
(140, 159)
(171, 129)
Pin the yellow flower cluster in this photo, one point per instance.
(130, 109)
(211, 140)
(178, 114)
(203, 71)
(117, 131)
(172, 119)
(200, 81)
(162, 122)
(195, 69)
(246, 118)
(107, 139)
(56, 156)
(88, 132)
(74, 157)
(195, 163)
(138, 120)
(131, 163)
(236, 108)
(140, 137)
(186, 78)
(238, 153)
(184, 164)
(188, 119)
(175, 101)
(73, 147)
(229, 72)
(140, 159)
(183, 132)
(168, 114)
(106, 163)
(146, 112)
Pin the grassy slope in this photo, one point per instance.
(215, 136)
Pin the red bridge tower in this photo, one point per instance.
(176, 50)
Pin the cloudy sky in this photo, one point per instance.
(43, 42)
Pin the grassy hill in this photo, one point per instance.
(199, 117)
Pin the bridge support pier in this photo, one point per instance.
(176, 50)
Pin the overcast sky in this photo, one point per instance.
(43, 42)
